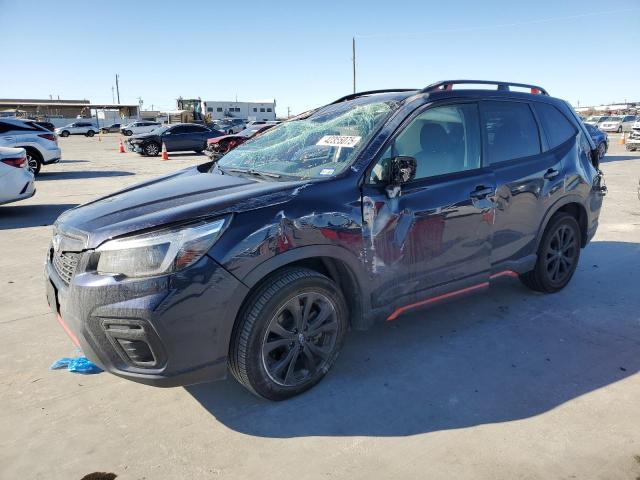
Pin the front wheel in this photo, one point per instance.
(128, 133)
(64, 133)
(151, 149)
(289, 334)
(558, 255)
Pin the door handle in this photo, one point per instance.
(551, 173)
(481, 192)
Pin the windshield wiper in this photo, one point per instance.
(250, 171)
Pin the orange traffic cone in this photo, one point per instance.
(165, 155)
(121, 149)
(622, 139)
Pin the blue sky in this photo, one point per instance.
(299, 52)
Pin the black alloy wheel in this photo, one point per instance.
(300, 339)
(558, 255)
(288, 334)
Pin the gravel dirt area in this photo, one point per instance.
(500, 385)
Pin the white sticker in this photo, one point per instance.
(348, 141)
(327, 171)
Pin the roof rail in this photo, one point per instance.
(504, 86)
(372, 92)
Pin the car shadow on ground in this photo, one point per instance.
(22, 216)
(73, 161)
(618, 158)
(44, 176)
(505, 354)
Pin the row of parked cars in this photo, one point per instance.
(194, 137)
(614, 123)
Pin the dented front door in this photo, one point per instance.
(431, 235)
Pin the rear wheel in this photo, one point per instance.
(558, 255)
(34, 161)
(289, 334)
(90, 133)
(602, 150)
(619, 129)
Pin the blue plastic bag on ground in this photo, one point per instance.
(76, 365)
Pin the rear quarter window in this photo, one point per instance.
(557, 127)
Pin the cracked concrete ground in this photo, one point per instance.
(500, 385)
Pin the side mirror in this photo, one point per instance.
(401, 170)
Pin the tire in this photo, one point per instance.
(619, 130)
(64, 133)
(602, 150)
(34, 161)
(270, 353)
(152, 149)
(128, 133)
(553, 271)
(90, 133)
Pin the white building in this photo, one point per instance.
(245, 110)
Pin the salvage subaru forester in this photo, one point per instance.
(358, 211)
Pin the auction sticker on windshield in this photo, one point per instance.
(348, 141)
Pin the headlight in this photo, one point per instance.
(158, 252)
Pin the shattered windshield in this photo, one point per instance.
(318, 146)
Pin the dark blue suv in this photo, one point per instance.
(355, 212)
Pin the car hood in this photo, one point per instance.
(182, 196)
(223, 137)
(142, 136)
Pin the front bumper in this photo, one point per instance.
(164, 331)
(609, 129)
(134, 147)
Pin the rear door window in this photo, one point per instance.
(556, 126)
(510, 131)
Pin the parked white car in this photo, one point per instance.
(618, 123)
(139, 127)
(40, 144)
(78, 128)
(595, 120)
(16, 180)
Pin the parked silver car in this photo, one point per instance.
(618, 123)
(40, 144)
(78, 128)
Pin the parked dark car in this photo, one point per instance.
(600, 139)
(177, 138)
(218, 146)
(359, 211)
(114, 127)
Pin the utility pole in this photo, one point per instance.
(118, 89)
(353, 47)
(288, 112)
(113, 98)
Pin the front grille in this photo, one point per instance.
(65, 264)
